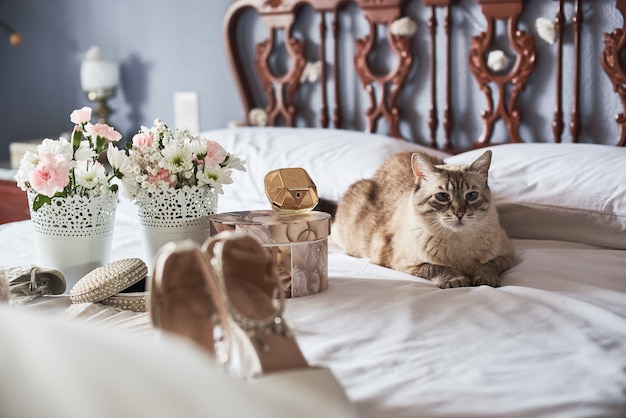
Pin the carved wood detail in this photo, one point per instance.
(280, 90)
(324, 119)
(278, 93)
(336, 108)
(515, 79)
(390, 84)
(433, 120)
(557, 122)
(614, 46)
(575, 121)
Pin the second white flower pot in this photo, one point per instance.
(174, 215)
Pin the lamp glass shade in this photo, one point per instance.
(99, 74)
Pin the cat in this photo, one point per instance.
(423, 217)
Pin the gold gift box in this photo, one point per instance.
(298, 243)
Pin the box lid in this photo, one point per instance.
(273, 227)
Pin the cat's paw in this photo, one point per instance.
(446, 282)
(485, 277)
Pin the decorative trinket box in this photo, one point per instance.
(298, 243)
(295, 235)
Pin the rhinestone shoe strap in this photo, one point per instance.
(254, 328)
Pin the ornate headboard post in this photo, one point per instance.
(433, 120)
(383, 12)
(523, 45)
(557, 121)
(614, 45)
(280, 90)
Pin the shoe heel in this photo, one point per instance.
(184, 301)
(255, 303)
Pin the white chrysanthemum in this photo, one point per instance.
(85, 152)
(235, 163)
(214, 176)
(198, 147)
(27, 164)
(184, 136)
(122, 168)
(90, 174)
(56, 147)
(177, 158)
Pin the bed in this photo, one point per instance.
(550, 341)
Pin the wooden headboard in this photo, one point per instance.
(421, 51)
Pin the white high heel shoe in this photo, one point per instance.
(255, 301)
(186, 300)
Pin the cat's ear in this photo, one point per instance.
(422, 166)
(481, 164)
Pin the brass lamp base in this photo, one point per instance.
(100, 97)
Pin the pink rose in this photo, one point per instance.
(104, 131)
(215, 154)
(143, 139)
(162, 175)
(80, 116)
(50, 175)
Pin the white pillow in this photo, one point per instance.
(333, 158)
(571, 192)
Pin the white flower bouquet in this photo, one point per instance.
(61, 168)
(161, 159)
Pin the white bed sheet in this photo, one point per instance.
(551, 341)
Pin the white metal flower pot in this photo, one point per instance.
(74, 235)
(174, 215)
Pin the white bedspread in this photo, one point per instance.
(551, 341)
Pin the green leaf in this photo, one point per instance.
(40, 200)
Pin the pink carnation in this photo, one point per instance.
(215, 154)
(50, 175)
(80, 116)
(162, 175)
(104, 131)
(143, 139)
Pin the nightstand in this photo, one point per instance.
(13, 202)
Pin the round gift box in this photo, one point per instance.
(297, 242)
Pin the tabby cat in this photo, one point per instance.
(423, 217)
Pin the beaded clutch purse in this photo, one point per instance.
(119, 284)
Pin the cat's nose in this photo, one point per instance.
(459, 215)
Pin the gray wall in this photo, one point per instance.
(164, 46)
(167, 46)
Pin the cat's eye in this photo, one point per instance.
(442, 197)
(471, 196)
